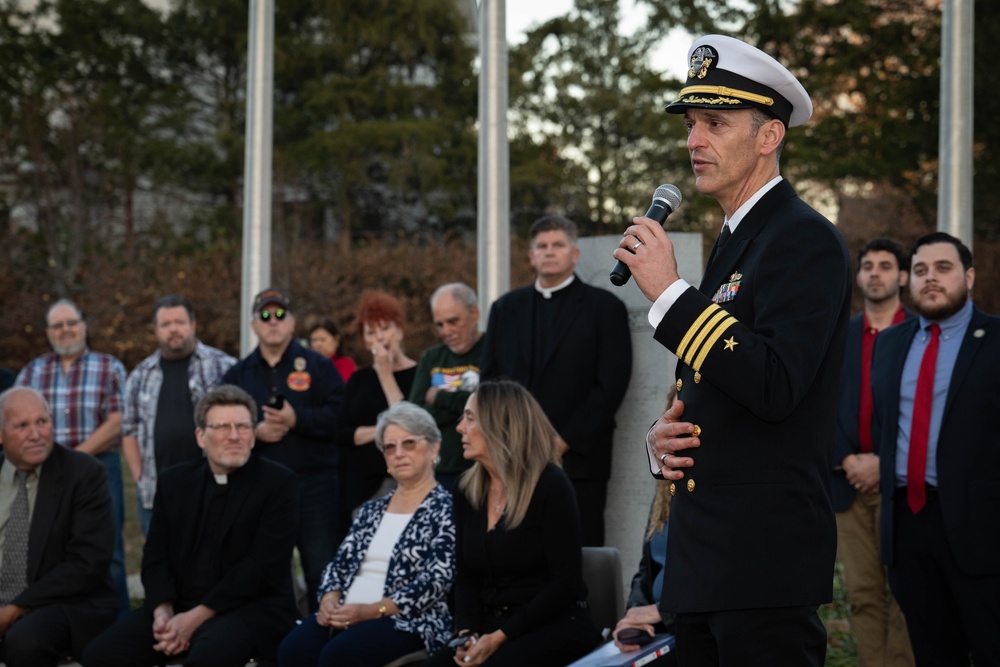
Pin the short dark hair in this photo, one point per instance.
(326, 323)
(224, 394)
(173, 301)
(757, 119)
(885, 245)
(554, 223)
(964, 253)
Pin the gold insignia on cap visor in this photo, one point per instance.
(732, 92)
(726, 73)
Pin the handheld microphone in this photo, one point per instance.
(666, 199)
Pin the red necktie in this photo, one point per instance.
(916, 465)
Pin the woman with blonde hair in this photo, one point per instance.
(519, 592)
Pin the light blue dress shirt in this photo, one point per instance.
(952, 333)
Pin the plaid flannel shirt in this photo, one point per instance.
(142, 393)
(82, 398)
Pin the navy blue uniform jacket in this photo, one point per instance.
(751, 524)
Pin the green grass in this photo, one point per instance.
(841, 647)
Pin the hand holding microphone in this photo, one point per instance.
(666, 199)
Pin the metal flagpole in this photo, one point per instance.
(955, 139)
(493, 221)
(256, 267)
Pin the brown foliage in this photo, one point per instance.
(890, 213)
(323, 280)
(326, 280)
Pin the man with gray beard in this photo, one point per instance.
(86, 391)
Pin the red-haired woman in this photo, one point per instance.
(380, 324)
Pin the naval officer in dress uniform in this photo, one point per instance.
(760, 345)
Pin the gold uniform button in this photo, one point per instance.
(673, 488)
(680, 384)
(697, 377)
(697, 431)
(690, 485)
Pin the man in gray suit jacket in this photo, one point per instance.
(55, 591)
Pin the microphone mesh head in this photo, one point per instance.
(669, 192)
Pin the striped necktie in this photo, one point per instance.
(14, 571)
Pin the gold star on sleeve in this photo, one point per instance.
(731, 343)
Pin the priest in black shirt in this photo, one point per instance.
(215, 565)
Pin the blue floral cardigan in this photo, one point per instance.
(421, 568)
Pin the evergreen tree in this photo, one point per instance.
(586, 97)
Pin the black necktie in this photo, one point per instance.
(724, 236)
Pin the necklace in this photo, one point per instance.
(499, 505)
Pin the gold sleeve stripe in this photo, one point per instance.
(695, 326)
(710, 343)
(730, 92)
(705, 330)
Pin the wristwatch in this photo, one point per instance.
(381, 611)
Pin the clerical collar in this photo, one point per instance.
(547, 292)
(221, 479)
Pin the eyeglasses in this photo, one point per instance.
(242, 428)
(65, 324)
(406, 445)
(278, 314)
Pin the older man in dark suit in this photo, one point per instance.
(936, 391)
(57, 534)
(760, 344)
(569, 344)
(215, 565)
